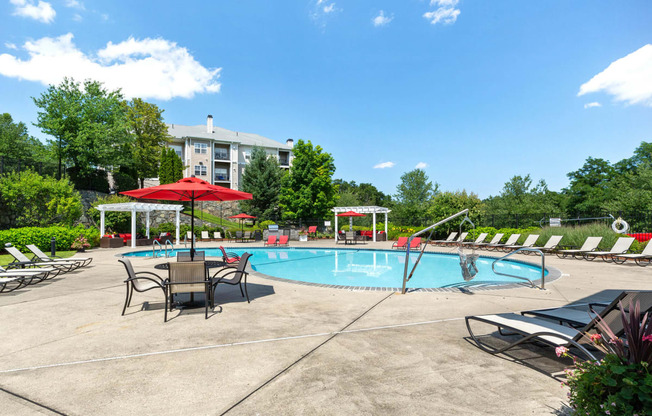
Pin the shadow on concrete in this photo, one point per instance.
(231, 293)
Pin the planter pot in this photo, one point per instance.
(303, 238)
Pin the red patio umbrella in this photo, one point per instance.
(351, 214)
(242, 217)
(189, 189)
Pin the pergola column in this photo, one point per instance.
(386, 237)
(337, 230)
(133, 228)
(102, 223)
(374, 232)
(147, 223)
(177, 224)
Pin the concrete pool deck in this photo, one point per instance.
(295, 349)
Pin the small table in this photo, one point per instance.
(210, 264)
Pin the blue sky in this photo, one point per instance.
(473, 91)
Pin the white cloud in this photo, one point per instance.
(385, 165)
(74, 4)
(444, 3)
(147, 68)
(42, 11)
(628, 79)
(10, 45)
(593, 104)
(321, 12)
(421, 165)
(77, 17)
(445, 15)
(381, 19)
(330, 8)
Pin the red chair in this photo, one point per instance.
(401, 243)
(415, 243)
(312, 230)
(229, 258)
(283, 240)
(271, 240)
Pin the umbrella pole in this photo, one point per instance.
(192, 229)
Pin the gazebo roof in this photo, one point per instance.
(369, 209)
(138, 207)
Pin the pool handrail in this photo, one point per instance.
(431, 228)
(543, 266)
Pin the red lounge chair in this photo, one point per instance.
(402, 241)
(283, 240)
(229, 258)
(312, 230)
(271, 240)
(415, 243)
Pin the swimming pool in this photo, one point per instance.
(372, 268)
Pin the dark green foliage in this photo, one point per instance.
(28, 199)
(41, 236)
(95, 180)
(352, 194)
(590, 186)
(124, 179)
(308, 192)
(16, 144)
(520, 197)
(445, 204)
(150, 135)
(413, 197)
(114, 222)
(261, 178)
(170, 167)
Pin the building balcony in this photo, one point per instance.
(221, 155)
(222, 178)
(284, 162)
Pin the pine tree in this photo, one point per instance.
(164, 168)
(262, 179)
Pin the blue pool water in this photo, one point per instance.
(370, 268)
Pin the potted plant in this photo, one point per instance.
(303, 235)
(80, 244)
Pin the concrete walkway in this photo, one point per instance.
(294, 349)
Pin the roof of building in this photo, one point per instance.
(248, 139)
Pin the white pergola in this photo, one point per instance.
(371, 209)
(135, 207)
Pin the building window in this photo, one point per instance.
(221, 174)
(201, 148)
(221, 153)
(178, 150)
(200, 170)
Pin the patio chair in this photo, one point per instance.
(239, 235)
(231, 276)
(140, 282)
(312, 231)
(511, 240)
(459, 240)
(415, 243)
(41, 256)
(271, 241)
(478, 240)
(494, 241)
(217, 236)
(349, 238)
(573, 316)
(450, 238)
(642, 259)
(229, 258)
(530, 240)
(620, 247)
(187, 277)
(590, 244)
(22, 261)
(537, 329)
(400, 243)
(284, 240)
(550, 245)
(205, 236)
(185, 256)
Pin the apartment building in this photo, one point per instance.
(220, 156)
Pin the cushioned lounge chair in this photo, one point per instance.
(590, 244)
(478, 240)
(415, 243)
(283, 240)
(232, 276)
(494, 241)
(537, 329)
(448, 239)
(271, 241)
(620, 247)
(642, 259)
(400, 243)
(217, 235)
(205, 236)
(23, 261)
(511, 240)
(530, 240)
(41, 256)
(187, 277)
(140, 282)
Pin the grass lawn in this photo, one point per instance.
(7, 258)
(205, 216)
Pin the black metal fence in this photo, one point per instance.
(8, 165)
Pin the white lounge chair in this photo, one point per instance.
(550, 245)
(494, 241)
(642, 259)
(589, 245)
(478, 240)
(205, 236)
(217, 235)
(41, 256)
(459, 240)
(22, 261)
(450, 238)
(530, 240)
(620, 247)
(511, 240)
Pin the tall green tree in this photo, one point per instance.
(519, 196)
(17, 144)
(170, 167)
(262, 178)
(88, 122)
(413, 197)
(447, 203)
(150, 135)
(308, 190)
(177, 166)
(591, 187)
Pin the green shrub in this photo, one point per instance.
(41, 236)
(123, 181)
(93, 181)
(117, 222)
(575, 236)
(264, 224)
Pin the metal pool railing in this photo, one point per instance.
(534, 250)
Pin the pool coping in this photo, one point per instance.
(553, 273)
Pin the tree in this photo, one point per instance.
(17, 144)
(308, 190)
(170, 167)
(362, 194)
(413, 196)
(261, 178)
(88, 122)
(520, 197)
(590, 187)
(150, 135)
(447, 203)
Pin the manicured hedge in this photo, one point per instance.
(41, 236)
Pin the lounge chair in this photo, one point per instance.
(22, 261)
(450, 238)
(283, 240)
(11, 280)
(41, 256)
(590, 244)
(511, 240)
(271, 241)
(229, 257)
(642, 259)
(574, 316)
(620, 247)
(415, 243)
(550, 245)
(533, 328)
(312, 231)
(530, 240)
(140, 282)
(187, 277)
(460, 240)
(494, 241)
(205, 236)
(231, 276)
(401, 243)
(478, 240)
(217, 235)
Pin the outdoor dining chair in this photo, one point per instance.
(140, 282)
(232, 276)
(187, 277)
